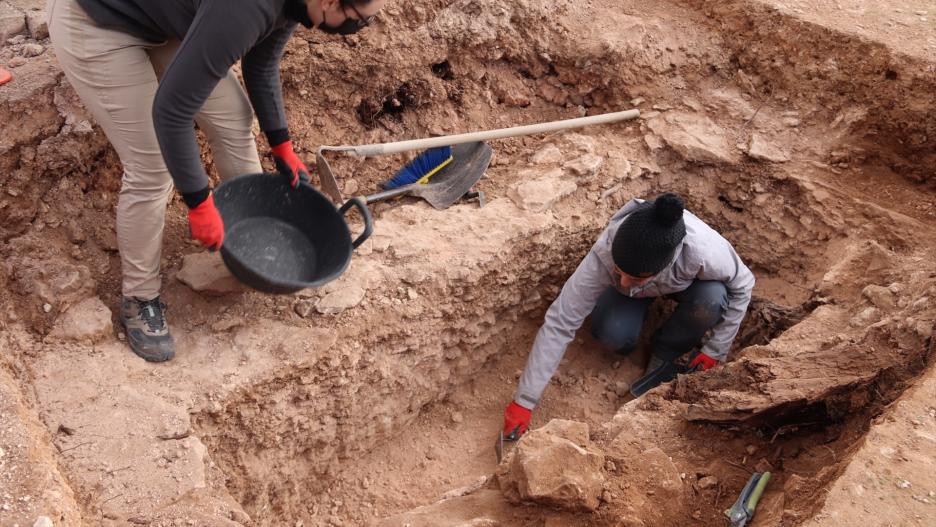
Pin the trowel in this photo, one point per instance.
(743, 509)
(502, 441)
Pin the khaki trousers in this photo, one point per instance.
(116, 76)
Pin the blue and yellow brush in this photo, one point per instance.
(420, 169)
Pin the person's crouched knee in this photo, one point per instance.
(616, 335)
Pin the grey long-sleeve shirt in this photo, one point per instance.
(214, 35)
(702, 255)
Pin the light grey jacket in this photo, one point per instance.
(703, 255)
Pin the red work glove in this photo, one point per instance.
(206, 225)
(289, 164)
(702, 362)
(516, 421)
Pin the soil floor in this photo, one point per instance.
(802, 131)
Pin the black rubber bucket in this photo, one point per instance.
(279, 239)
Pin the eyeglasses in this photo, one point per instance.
(362, 21)
(350, 25)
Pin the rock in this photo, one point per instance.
(758, 148)
(106, 239)
(791, 122)
(206, 272)
(511, 91)
(880, 296)
(763, 466)
(76, 234)
(12, 21)
(36, 22)
(751, 449)
(708, 482)
(574, 431)
(227, 324)
(87, 320)
(548, 154)
(62, 284)
(866, 317)
(341, 299)
(457, 417)
(694, 137)
(586, 166)
(653, 142)
(32, 50)
(16, 62)
(351, 187)
(539, 195)
(552, 470)
(582, 143)
(304, 308)
(43, 521)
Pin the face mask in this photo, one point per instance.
(349, 27)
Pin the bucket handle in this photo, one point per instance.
(361, 206)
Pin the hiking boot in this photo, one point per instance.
(147, 332)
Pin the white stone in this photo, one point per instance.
(43, 521)
(206, 272)
(12, 21)
(341, 299)
(539, 195)
(587, 165)
(694, 137)
(32, 50)
(351, 187)
(549, 154)
(89, 319)
(36, 22)
(582, 143)
(762, 150)
(866, 317)
(880, 296)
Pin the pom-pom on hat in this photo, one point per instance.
(645, 241)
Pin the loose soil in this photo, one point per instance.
(802, 131)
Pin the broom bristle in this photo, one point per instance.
(420, 169)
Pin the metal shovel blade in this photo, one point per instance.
(327, 178)
(469, 163)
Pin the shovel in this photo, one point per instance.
(451, 183)
(330, 184)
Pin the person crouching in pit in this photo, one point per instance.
(649, 249)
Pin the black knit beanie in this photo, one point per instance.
(645, 241)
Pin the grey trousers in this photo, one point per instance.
(617, 319)
(116, 75)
